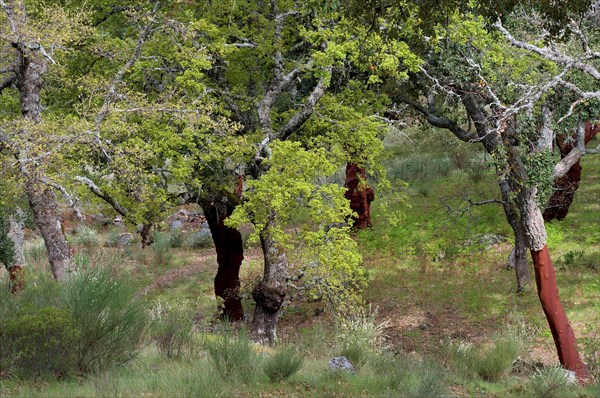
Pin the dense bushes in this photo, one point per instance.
(110, 319)
(89, 323)
(37, 341)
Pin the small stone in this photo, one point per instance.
(341, 364)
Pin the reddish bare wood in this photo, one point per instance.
(230, 254)
(562, 332)
(359, 194)
(566, 186)
(17, 278)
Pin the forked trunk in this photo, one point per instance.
(360, 195)
(45, 216)
(561, 329)
(566, 186)
(16, 233)
(230, 254)
(270, 292)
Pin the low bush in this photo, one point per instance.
(171, 329)
(38, 341)
(552, 382)
(489, 362)
(111, 320)
(283, 365)
(162, 248)
(86, 236)
(233, 356)
(418, 379)
(200, 240)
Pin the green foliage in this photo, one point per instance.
(233, 356)
(285, 363)
(171, 329)
(579, 258)
(109, 316)
(38, 341)
(328, 257)
(552, 382)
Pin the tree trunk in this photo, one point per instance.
(518, 257)
(230, 254)
(146, 234)
(16, 233)
(360, 195)
(562, 333)
(566, 186)
(45, 215)
(270, 292)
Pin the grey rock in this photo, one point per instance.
(338, 364)
(123, 239)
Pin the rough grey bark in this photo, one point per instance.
(30, 68)
(270, 292)
(46, 217)
(16, 233)
(518, 256)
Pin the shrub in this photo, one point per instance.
(162, 248)
(172, 330)
(421, 379)
(86, 236)
(552, 382)
(233, 356)
(491, 362)
(200, 240)
(110, 239)
(110, 318)
(360, 335)
(176, 238)
(284, 364)
(38, 341)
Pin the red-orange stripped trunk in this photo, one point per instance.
(562, 332)
(230, 254)
(360, 195)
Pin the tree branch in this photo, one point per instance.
(574, 155)
(307, 110)
(103, 195)
(8, 82)
(111, 95)
(442, 122)
(553, 55)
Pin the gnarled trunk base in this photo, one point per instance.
(230, 254)
(359, 194)
(146, 235)
(561, 329)
(268, 303)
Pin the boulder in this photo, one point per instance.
(341, 364)
(123, 239)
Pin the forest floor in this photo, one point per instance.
(437, 279)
